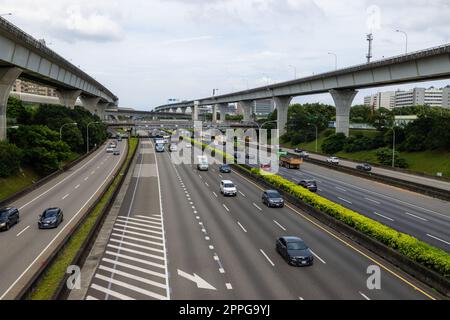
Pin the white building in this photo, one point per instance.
(381, 100)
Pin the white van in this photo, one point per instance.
(202, 164)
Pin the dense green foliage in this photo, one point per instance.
(431, 257)
(334, 143)
(35, 139)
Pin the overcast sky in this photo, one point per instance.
(147, 51)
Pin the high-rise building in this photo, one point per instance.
(381, 100)
(22, 86)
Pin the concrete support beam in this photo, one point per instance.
(214, 113)
(68, 97)
(247, 108)
(223, 112)
(183, 110)
(343, 100)
(7, 78)
(282, 105)
(91, 104)
(195, 111)
(101, 107)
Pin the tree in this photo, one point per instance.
(334, 143)
(17, 111)
(10, 157)
(385, 157)
(361, 114)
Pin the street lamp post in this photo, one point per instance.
(393, 148)
(87, 134)
(214, 92)
(66, 124)
(335, 60)
(406, 37)
(317, 134)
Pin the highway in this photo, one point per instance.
(24, 248)
(177, 237)
(423, 217)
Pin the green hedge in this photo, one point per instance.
(431, 257)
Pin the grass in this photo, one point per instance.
(427, 162)
(50, 282)
(14, 184)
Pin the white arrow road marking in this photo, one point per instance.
(202, 284)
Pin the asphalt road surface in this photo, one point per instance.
(24, 247)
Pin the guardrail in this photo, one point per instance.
(411, 267)
(26, 292)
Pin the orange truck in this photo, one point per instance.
(290, 162)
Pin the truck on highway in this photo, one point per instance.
(290, 162)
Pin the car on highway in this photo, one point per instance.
(188, 145)
(116, 153)
(297, 150)
(295, 251)
(109, 150)
(227, 188)
(51, 218)
(159, 147)
(202, 163)
(8, 217)
(304, 154)
(225, 168)
(333, 160)
(173, 147)
(364, 167)
(311, 185)
(272, 198)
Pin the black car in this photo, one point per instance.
(364, 167)
(297, 150)
(272, 198)
(51, 218)
(311, 185)
(295, 251)
(8, 217)
(225, 168)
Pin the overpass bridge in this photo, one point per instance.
(23, 56)
(139, 114)
(175, 124)
(343, 85)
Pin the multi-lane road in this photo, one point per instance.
(177, 237)
(24, 248)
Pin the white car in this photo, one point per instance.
(188, 145)
(173, 147)
(110, 150)
(227, 188)
(333, 160)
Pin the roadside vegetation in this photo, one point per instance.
(35, 147)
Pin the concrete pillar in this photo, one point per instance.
(7, 78)
(247, 108)
(282, 105)
(195, 111)
(343, 100)
(68, 98)
(91, 104)
(101, 107)
(223, 108)
(183, 110)
(214, 113)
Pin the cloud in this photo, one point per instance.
(191, 39)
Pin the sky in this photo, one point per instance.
(149, 51)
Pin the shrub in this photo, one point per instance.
(10, 157)
(334, 143)
(385, 157)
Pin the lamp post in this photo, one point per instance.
(214, 92)
(87, 134)
(335, 60)
(406, 37)
(66, 124)
(393, 148)
(317, 134)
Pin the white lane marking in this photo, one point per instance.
(160, 244)
(300, 298)
(226, 208)
(98, 167)
(65, 196)
(86, 179)
(268, 259)
(93, 172)
(283, 228)
(380, 215)
(315, 255)
(133, 267)
(206, 183)
(364, 296)
(211, 247)
(431, 236)
(216, 258)
(257, 207)
(77, 186)
(111, 293)
(66, 178)
(341, 189)
(204, 230)
(200, 176)
(242, 194)
(345, 200)
(138, 229)
(197, 217)
(18, 235)
(138, 234)
(140, 220)
(64, 227)
(320, 189)
(90, 298)
(413, 215)
(126, 257)
(240, 225)
(215, 194)
(133, 277)
(150, 218)
(371, 200)
(220, 175)
(131, 287)
(229, 286)
(221, 270)
(146, 225)
(207, 238)
(131, 244)
(136, 252)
